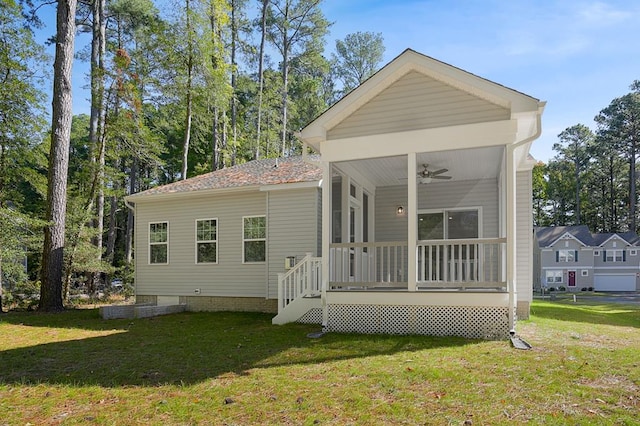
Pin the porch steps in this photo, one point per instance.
(296, 309)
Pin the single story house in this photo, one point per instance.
(413, 215)
(572, 258)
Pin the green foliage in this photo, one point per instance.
(357, 57)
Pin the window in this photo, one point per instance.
(585, 272)
(254, 238)
(554, 277)
(207, 241)
(614, 256)
(633, 252)
(567, 256)
(159, 243)
(596, 252)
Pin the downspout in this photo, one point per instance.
(132, 207)
(511, 281)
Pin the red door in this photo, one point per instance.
(572, 278)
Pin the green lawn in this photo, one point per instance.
(238, 369)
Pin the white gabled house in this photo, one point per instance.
(417, 219)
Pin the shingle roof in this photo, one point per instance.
(269, 171)
(630, 237)
(549, 234)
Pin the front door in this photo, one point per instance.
(571, 278)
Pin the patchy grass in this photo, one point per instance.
(238, 369)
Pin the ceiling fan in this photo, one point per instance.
(425, 175)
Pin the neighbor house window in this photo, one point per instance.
(254, 238)
(554, 277)
(585, 273)
(159, 243)
(207, 241)
(614, 256)
(567, 256)
(633, 252)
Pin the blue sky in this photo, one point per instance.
(577, 55)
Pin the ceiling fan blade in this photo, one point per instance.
(441, 177)
(439, 172)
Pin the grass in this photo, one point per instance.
(238, 369)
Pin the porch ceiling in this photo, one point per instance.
(466, 164)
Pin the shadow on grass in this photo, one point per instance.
(184, 348)
(588, 312)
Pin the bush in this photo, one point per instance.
(590, 288)
(25, 295)
(583, 289)
(562, 288)
(551, 289)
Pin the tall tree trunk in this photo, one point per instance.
(285, 94)
(53, 248)
(234, 72)
(96, 123)
(111, 233)
(263, 35)
(128, 242)
(189, 100)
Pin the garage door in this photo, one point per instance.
(624, 282)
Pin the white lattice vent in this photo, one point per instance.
(313, 316)
(464, 321)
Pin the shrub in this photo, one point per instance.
(562, 288)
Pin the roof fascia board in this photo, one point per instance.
(617, 237)
(137, 198)
(475, 135)
(294, 185)
(567, 235)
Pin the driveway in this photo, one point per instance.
(626, 298)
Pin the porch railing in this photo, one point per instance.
(303, 280)
(382, 264)
(470, 263)
(455, 264)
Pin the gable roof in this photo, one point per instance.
(549, 235)
(256, 173)
(629, 237)
(412, 61)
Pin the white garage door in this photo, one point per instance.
(625, 282)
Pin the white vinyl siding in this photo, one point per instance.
(415, 102)
(159, 243)
(230, 277)
(207, 241)
(295, 222)
(524, 236)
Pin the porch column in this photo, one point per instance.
(326, 238)
(511, 231)
(412, 222)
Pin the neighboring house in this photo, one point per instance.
(573, 258)
(414, 218)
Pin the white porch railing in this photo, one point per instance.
(382, 264)
(471, 263)
(303, 280)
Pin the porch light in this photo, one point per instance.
(400, 210)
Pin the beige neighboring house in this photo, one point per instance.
(413, 216)
(571, 258)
